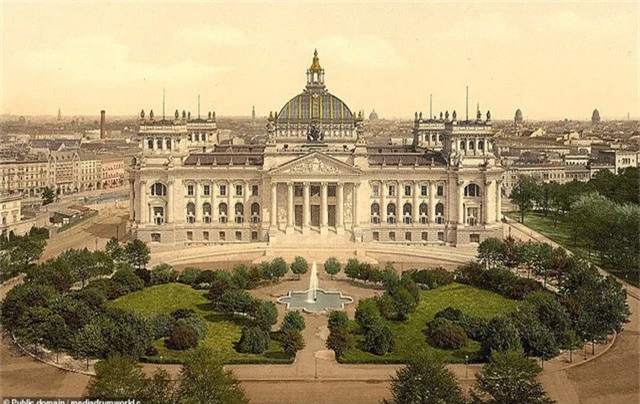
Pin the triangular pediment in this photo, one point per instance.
(316, 163)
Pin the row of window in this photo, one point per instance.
(222, 236)
(408, 190)
(424, 236)
(159, 189)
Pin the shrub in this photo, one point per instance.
(292, 321)
(240, 277)
(386, 306)
(474, 327)
(522, 287)
(107, 286)
(190, 317)
(162, 273)
(352, 269)
(378, 339)
(189, 275)
(340, 340)
(235, 301)
(183, 336)
(338, 319)
(469, 273)
(445, 334)
(332, 266)
(367, 313)
(403, 303)
(299, 266)
(279, 268)
(432, 278)
(253, 340)
(218, 287)
(266, 315)
(161, 325)
(452, 314)
(127, 280)
(204, 279)
(291, 340)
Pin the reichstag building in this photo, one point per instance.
(315, 176)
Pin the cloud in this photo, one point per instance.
(216, 34)
(485, 27)
(101, 59)
(367, 52)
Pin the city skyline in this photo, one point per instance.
(121, 56)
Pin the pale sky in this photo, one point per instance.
(550, 59)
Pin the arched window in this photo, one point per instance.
(197, 137)
(472, 145)
(255, 212)
(159, 144)
(391, 213)
(191, 212)
(158, 189)
(375, 213)
(206, 212)
(472, 190)
(440, 138)
(150, 144)
(239, 212)
(406, 213)
(462, 146)
(422, 210)
(168, 144)
(222, 210)
(480, 144)
(439, 213)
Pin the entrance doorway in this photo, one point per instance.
(297, 215)
(332, 215)
(315, 215)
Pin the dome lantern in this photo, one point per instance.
(315, 73)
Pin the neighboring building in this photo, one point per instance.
(24, 177)
(10, 214)
(63, 170)
(112, 173)
(619, 158)
(316, 175)
(89, 174)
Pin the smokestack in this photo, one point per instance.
(102, 124)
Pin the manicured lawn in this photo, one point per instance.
(560, 234)
(409, 337)
(222, 331)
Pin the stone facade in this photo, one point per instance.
(315, 174)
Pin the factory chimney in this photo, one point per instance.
(102, 124)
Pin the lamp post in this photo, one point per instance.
(316, 371)
(466, 367)
(585, 349)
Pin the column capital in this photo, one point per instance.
(289, 183)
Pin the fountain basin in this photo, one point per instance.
(324, 301)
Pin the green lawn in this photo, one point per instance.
(560, 234)
(222, 331)
(409, 337)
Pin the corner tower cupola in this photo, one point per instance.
(315, 74)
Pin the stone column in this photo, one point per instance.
(340, 208)
(231, 215)
(290, 210)
(306, 208)
(399, 192)
(460, 202)
(170, 199)
(324, 208)
(486, 217)
(274, 206)
(416, 206)
(383, 202)
(198, 205)
(214, 202)
(132, 200)
(432, 202)
(144, 208)
(356, 218)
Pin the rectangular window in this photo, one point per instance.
(206, 190)
(375, 191)
(254, 236)
(376, 236)
(315, 190)
(239, 190)
(331, 190)
(440, 236)
(392, 190)
(205, 235)
(423, 190)
(189, 236)
(190, 190)
(440, 190)
(298, 190)
(238, 235)
(392, 235)
(222, 236)
(155, 237)
(407, 236)
(474, 238)
(407, 190)
(254, 190)
(425, 236)
(223, 190)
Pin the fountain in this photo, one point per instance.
(314, 299)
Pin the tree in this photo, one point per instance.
(253, 340)
(332, 266)
(403, 303)
(340, 340)
(491, 251)
(23, 251)
(22, 297)
(118, 378)
(127, 280)
(189, 275)
(279, 268)
(299, 266)
(48, 196)
(183, 336)
(137, 253)
(203, 380)
(378, 338)
(424, 381)
(291, 340)
(235, 301)
(292, 321)
(352, 269)
(55, 273)
(500, 334)
(266, 315)
(367, 314)
(509, 378)
(85, 264)
(338, 319)
(523, 195)
(114, 249)
(160, 389)
(163, 273)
